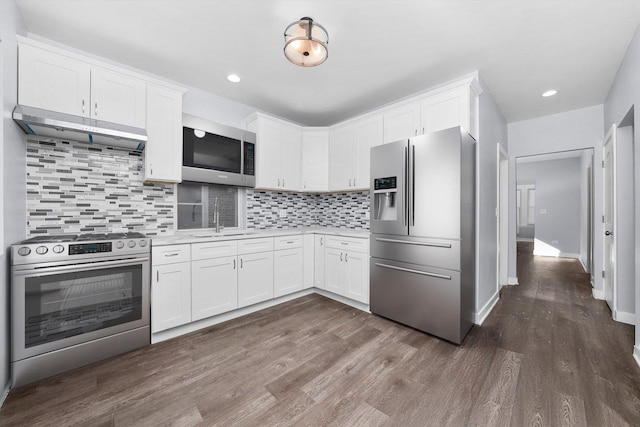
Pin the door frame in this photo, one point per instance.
(502, 217)
(610, 138)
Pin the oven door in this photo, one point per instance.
(57, 306)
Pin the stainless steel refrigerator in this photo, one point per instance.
(423, 232)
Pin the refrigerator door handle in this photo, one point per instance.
(406, 242)
(405, 217)
(409, 270)
(413, 185)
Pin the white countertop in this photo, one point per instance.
(196, 236)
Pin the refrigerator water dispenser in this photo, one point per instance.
(384, 199)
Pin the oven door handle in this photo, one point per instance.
(85, 266)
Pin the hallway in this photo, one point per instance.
(576, 361)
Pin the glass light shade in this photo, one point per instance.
(306, 43)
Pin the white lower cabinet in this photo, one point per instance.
(170, 295)
(214, 286)
(255, 278)
(346, 267)
(318, 264)
(287, 271)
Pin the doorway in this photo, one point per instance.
(503, 217)
(556, 210)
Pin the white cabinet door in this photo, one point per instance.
(291, 157)
(287, 271)
(163, 151)
(170, 296)
(446, 110)
(315, 160)
(334, 271)
(267, 154)
(255, 278)
(402, 122)
(53, 82)
(308, 262)
(368, 134)
(214, 287)
(341, 146)
(357, 276)
(118, 98)
(318, 265)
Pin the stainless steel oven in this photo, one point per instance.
(76, 300)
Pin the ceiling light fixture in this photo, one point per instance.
(305, 43)
(233, 78)
(549, 93)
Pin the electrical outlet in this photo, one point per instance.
(543, 211)
(555, 242)
(282, 213)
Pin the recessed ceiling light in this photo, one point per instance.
(233, 78)
(549, 93)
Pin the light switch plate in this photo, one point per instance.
(282, 213)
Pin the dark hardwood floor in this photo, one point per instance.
(548, 355)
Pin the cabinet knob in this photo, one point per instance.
(83, 106)
(340, 256)
(346, 257)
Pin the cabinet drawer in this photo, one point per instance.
(287, 242)
(347, 243)
(210, 250)
(161, 255)
(249, 246)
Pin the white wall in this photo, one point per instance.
(492, 131)
(13, 168)
(571, 130)
(623, 96)
(557, 186)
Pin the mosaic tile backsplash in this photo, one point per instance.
(345, 210)
(78, 188)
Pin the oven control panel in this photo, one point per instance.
(89, 248)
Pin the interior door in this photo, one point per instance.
(609, 266)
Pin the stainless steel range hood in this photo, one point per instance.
(67, 127)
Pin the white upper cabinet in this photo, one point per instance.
(454, 107)
(163, 152)
(53, 82)
(402, 122)
(278, 153)
(341, 147)
(56, 82)
(315, 160)
(349, 153)
(118, 98)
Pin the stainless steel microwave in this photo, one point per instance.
(217, 154)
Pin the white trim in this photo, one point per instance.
(624, 317)
(512, 281)
(214, 320)
(482, 315)
(525, 239)
(597, 294)
(636, 354)
(584, 267)
(610, 138)
(560, 255)
(5, 393)
(343, 300)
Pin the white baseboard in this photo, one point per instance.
(525, 239)
(482, 315)
(597, 294)
(512, 281)
(210, 321)
(636, 354)
(584, 267)
(624, 317)
(343, 300)
(5, 393)
(558, 255)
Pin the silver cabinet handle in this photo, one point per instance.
(423, 130)
(346, 257)
(96, 109)
(340, 256)
(234, 264)
(151, 169)
(173, 254)
(157, 275)
(344, 243)
(354, 182)
(278, 182)
(321, 240)
(413, 186)
(436, 245)
(283, 182)
(415, 133)
(83, 106)
(405, 217)
(409, 270)
(241, 263)
(290, 241)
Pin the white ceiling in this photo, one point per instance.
(379, 50)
